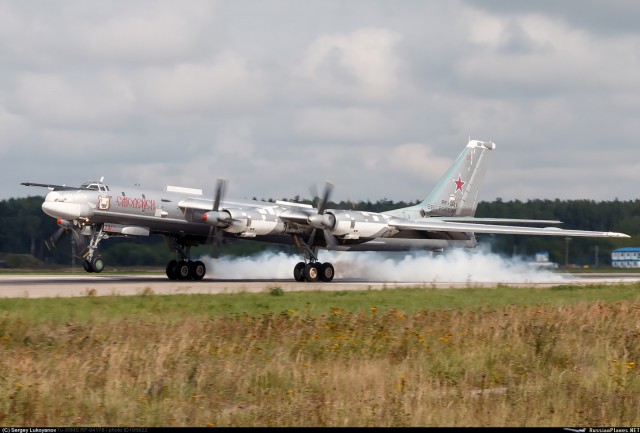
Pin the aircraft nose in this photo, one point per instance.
(59, 205)
(66, 211)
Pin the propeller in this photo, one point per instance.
(66, 227)
(321, 220)
(215, 237)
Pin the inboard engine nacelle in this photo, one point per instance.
(245, 222)
(351, 224)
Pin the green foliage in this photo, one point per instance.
(276, 291)
(544, 358)
(133, 252)
(13, 260)
(169, 308)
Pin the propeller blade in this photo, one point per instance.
(329, 238)
(220, 189)
(51, 242)
(215, 237)
(312, 237)
(325, 198)
(218, 242)
(313, 190)
(77, 236)
(212, 240)
(80, 240)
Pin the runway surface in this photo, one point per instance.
(69, 285)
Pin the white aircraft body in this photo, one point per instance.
(444, 219)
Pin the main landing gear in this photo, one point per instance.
(311, 270)
(183, 268)
(186, 270)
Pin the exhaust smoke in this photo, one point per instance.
(454, 266)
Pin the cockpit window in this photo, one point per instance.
(94, 186)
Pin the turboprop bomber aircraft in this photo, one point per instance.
(444, 219)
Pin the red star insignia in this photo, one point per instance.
(459, 183)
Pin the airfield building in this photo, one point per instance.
(628, 257)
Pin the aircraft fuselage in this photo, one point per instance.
(141, 212)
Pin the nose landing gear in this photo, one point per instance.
(93, 262)
(94, 265)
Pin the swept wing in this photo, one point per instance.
(433, 225)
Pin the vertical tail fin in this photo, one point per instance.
(456, 193)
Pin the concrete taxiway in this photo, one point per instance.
(42, 286)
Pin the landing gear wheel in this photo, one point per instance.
(182, 269)
(172, 270)
(298, 272)
(97, 265)
(197, 270)
(326, 272)
(87, 266)
(311, 273)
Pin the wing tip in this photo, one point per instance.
(617, 235)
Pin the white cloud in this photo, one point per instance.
(343, 124)
(418, 161)
(228, 84)
(12, 129)
(362, 63)
(278, 95)
(69, 99)
(555, 57)
(101, 33)
(148, 33)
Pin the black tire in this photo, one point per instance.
(311, 272)
(87, 266)
(97, 265)
(183, 271)
(172, 270)
(326, 272)
(298, 272)
(198, 269)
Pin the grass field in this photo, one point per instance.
(560, 356)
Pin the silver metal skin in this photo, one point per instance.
(444, 219)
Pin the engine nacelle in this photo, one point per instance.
(251, 222)
(356, 224)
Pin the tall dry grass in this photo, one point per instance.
(514, 366)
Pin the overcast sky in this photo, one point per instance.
(377, 97)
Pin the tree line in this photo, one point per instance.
(25, 228)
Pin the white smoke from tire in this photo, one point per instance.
(455, 266)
